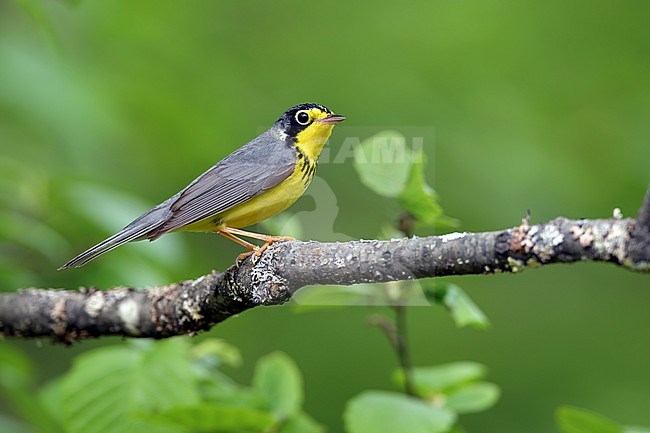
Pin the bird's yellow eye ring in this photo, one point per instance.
(303, 117)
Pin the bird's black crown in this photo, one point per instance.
(288, 122)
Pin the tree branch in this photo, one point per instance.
(272, 278)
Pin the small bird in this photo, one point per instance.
(260, 179)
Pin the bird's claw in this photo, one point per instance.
(257, 251)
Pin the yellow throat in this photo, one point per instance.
(311, 140)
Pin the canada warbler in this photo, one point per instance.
(255, 182)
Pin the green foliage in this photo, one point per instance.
(430, 381)
(444, 392)
(390, 412)
(383, 163)
(216, 352)
(105, 385)
(326, 297)
(575, 420)
(420, 200)
(278, 380)
(474, 397)
(302, 423)
(461, 307)
(387, 166)
(455, 387)
(168, 386)
(211, 418)
(173, 386)
(391, 293)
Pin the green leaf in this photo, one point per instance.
(406, 293)
(320, 297)
(390, 412)
(224, 390)
(50, 397)
(437, 379)
(301, 423)
(217, 352)
(278, 380)
(211, 418)
(214, 385)
(420, 199)
(105, 385)
(164, 375)
(576, 420)
(475, 397)
(463, 310)
(383, 163)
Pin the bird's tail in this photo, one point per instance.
(105, 246)
(137, 230)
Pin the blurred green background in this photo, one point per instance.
(107, 108)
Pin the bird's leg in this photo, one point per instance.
(230, 233)
(252, 248)
(240, 241)
(260, 236)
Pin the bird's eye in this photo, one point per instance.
(303, 117)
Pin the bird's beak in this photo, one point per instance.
(332, 119)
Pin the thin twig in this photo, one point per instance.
(643, 217)
(402, 348)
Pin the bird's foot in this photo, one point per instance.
(244, 256)
(231, 233)
(271, 240)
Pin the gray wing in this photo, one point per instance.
(256, 167)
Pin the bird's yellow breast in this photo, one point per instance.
(265, 205)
